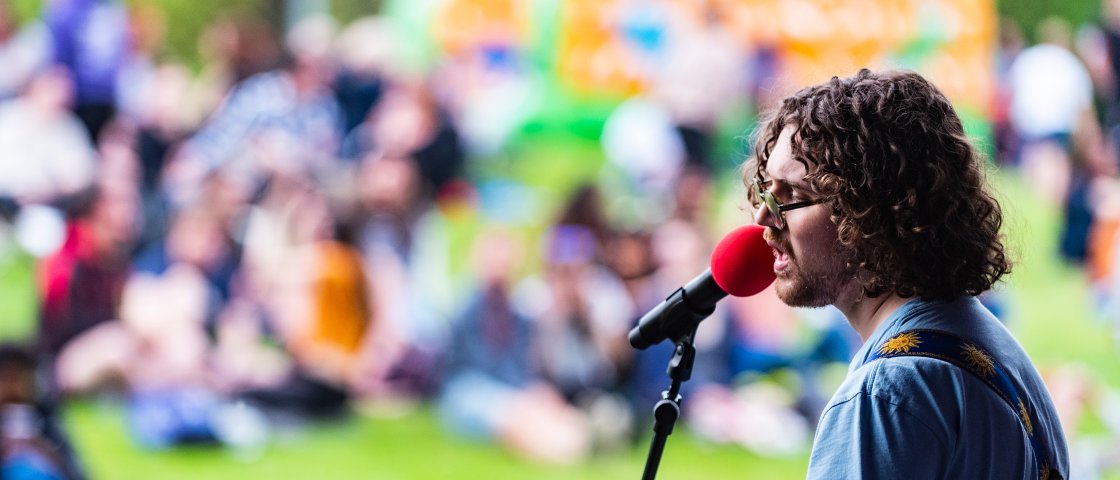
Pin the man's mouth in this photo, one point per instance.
(781, 253)
(781, 261)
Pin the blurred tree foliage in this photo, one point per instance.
(185, 20)
(348, 10)
(1028, 13)
(25, 9)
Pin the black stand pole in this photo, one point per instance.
(666, 412)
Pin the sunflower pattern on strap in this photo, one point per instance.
(1026, 418)
(978, 360)
(900, 343)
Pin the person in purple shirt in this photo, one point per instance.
(90, 39)
(876, 203)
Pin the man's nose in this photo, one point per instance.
(763, 216)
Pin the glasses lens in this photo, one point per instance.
(771, 203)
(775, 210)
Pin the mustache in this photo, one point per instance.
(774, 235)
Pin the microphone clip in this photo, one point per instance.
(679, 314)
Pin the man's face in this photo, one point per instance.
(808, 260)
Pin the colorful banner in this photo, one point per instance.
(614, 46)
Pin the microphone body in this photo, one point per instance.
(740, 266)
(679, 313)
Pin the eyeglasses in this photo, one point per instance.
(765, 197)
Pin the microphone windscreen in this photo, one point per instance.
(742, 263)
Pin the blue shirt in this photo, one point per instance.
(919, 417)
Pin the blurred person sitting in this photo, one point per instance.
(131, 332)
(774, 366)
(581, 312)
(90, 38)
(491, 388)
(367, 50)
(197, 238)
(741, 343)
(692, 196)
(390, 229)
(389, 195)
(408, 122)
(679, 250)
(45, 157)
(32, 444)
(81, 284)
(168, 375)
(232, 48)
(585, 209)
(317, 302)
(156, 125)
(631, 256)
(290, 110)
(158, 357)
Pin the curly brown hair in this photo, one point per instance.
(907, 189)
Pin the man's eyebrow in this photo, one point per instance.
(800, 184)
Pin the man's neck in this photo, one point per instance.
(866, 314)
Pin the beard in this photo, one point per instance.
(815, 282)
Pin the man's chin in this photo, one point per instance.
(785, 285)
(795, 292)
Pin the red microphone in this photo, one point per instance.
(741, 265)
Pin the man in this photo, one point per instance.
(875, 203)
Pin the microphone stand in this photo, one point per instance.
(666, 412)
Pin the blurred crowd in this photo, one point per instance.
(1057, 123)
(277, 236)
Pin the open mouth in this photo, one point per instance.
(781, 255)
(781, 258)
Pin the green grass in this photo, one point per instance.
(412, 446)
(1052, 312)
(17, 295)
